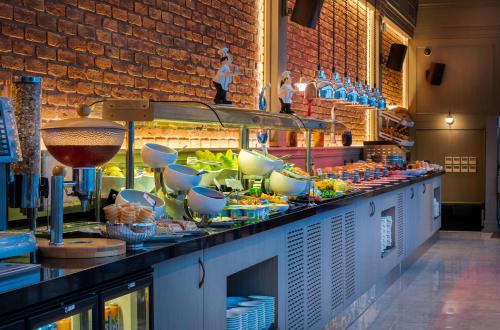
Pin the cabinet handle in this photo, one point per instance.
(412, 193)
(372, 208)
(202, 281)
(425, 188)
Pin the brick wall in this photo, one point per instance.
(303, 57)
(392, 81)
(157, 49)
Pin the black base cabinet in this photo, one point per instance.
(79, 314)
(13, 326)
(124, 304)
(128, 305)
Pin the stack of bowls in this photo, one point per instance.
(269, 308)
(261, 311)
(233, 320)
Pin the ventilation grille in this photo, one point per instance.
(336, 261)
(401, 225)
(313, 274)
(295, 273)
(350, 254)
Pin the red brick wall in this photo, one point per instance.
(392, 81)
(302, 57)
(157, 49)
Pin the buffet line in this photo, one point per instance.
(174, 196)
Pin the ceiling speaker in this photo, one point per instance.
(306, 12)
(396, 58)
(435, 73)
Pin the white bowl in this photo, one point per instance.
(254, 164)
(278, 162)
(137, 196)
(158, 156)
(284, 185)
(206, 201)
(207, 179)
(181, 178)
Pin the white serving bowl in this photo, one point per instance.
(158, 156)
(207, 179)
(278, 162)
(206, 201)
(180, 177)
(137, 196)
(254, 164)
(284, 185)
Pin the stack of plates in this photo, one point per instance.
(248, 317)
(261, 311)
(269, 308)
(233, 320)
(232, 302)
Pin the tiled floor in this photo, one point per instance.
(454, 285)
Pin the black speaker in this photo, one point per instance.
(435, 73)
(396, 58)
(306, 12)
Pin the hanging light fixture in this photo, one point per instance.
(338, 86)
(352, 93)
(334, 37)
(362, 96)
(324, 87)
(449, 119)
(340, 92)
(373, 102)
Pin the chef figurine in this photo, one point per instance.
(285, 92)
(224, 77)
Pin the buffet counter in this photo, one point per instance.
(174, 264)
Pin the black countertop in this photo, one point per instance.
(62, 278)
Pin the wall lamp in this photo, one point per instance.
(301, 85)
(449, 119)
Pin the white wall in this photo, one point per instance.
(464, 35)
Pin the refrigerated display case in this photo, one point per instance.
(128, 306)
(13, 325)
(77, 315)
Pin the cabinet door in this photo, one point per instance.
(229, 260)
(436, 186)
(425, 210)
(411, 221)
(306, 262)
(178, 298)
(368, 242)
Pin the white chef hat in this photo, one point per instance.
(286, 75)
(223, 52)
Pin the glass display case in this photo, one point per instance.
(128, 306)
(79, 315)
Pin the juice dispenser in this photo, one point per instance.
(81, 143)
